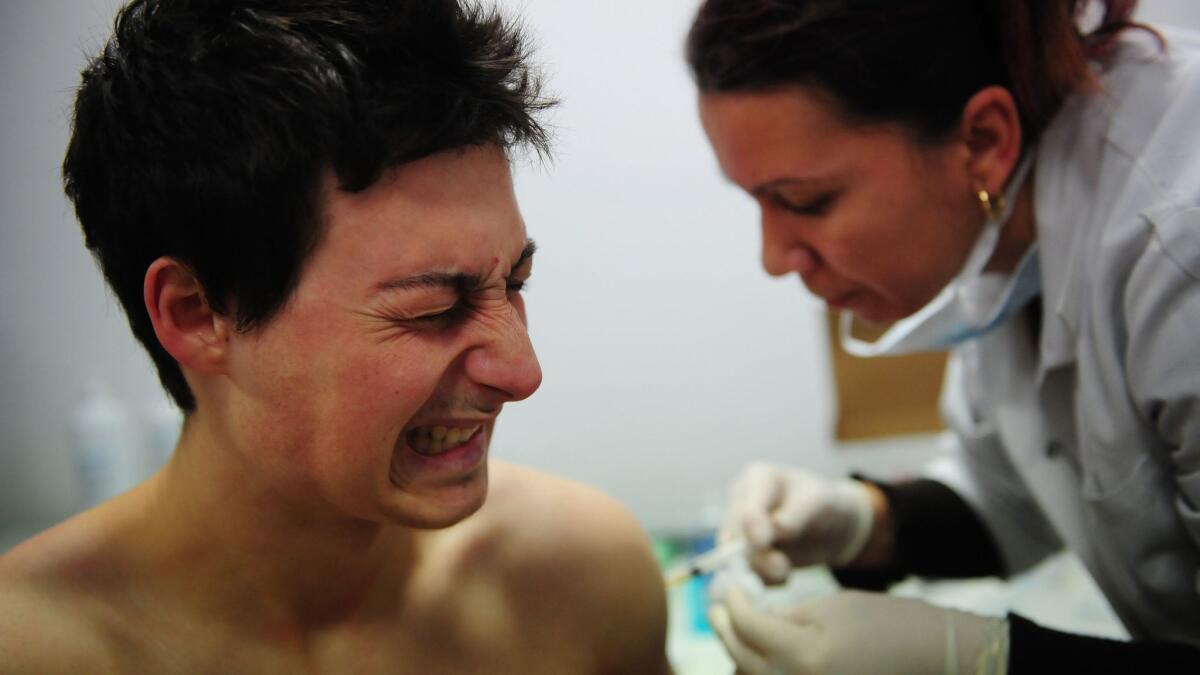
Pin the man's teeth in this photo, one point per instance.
(436, 440)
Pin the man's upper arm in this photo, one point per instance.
(617, 578)
(631, 593)
(38, 637)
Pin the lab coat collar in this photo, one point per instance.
(1060, 315)
(1063, 271)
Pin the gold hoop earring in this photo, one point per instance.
(993, 205)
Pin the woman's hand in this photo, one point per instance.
(853, 633)
(792, 517)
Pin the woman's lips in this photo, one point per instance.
(841, 301)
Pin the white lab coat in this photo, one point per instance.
(1087, 434)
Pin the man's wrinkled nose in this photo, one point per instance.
(505, 362)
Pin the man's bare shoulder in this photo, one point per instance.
(40, 634)
(560, 520)
(580, 550)
(80, 556)
(45, 617)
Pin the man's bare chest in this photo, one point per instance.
(464, 642)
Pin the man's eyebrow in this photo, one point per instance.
(453, 280)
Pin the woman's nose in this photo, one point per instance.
(784, 253)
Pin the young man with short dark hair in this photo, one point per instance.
(306, 210)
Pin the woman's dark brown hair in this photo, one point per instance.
(915, 62)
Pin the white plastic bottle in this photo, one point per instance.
(106, 443)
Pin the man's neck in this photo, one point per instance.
(258, 560)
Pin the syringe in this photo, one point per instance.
(705, 563)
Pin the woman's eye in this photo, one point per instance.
(815, 207)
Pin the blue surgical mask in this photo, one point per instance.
(972, 304)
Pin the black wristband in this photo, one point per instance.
(937, 534)
(1035, 650)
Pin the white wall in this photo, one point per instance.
(670, 359)
(57, 322)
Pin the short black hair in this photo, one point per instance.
(202, 129)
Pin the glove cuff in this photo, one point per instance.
(857, 499)
(979, 646)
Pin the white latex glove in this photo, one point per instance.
(853, 633)
(792, 517)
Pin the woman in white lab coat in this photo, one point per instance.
(1019, 181)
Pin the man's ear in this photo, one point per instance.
(991, 130)
(186, 326)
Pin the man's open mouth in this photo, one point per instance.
(432, 441)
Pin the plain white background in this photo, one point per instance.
(670, 358)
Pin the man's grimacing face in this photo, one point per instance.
(376, 387)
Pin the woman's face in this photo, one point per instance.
(871, 220)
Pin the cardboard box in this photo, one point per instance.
(886, 395)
